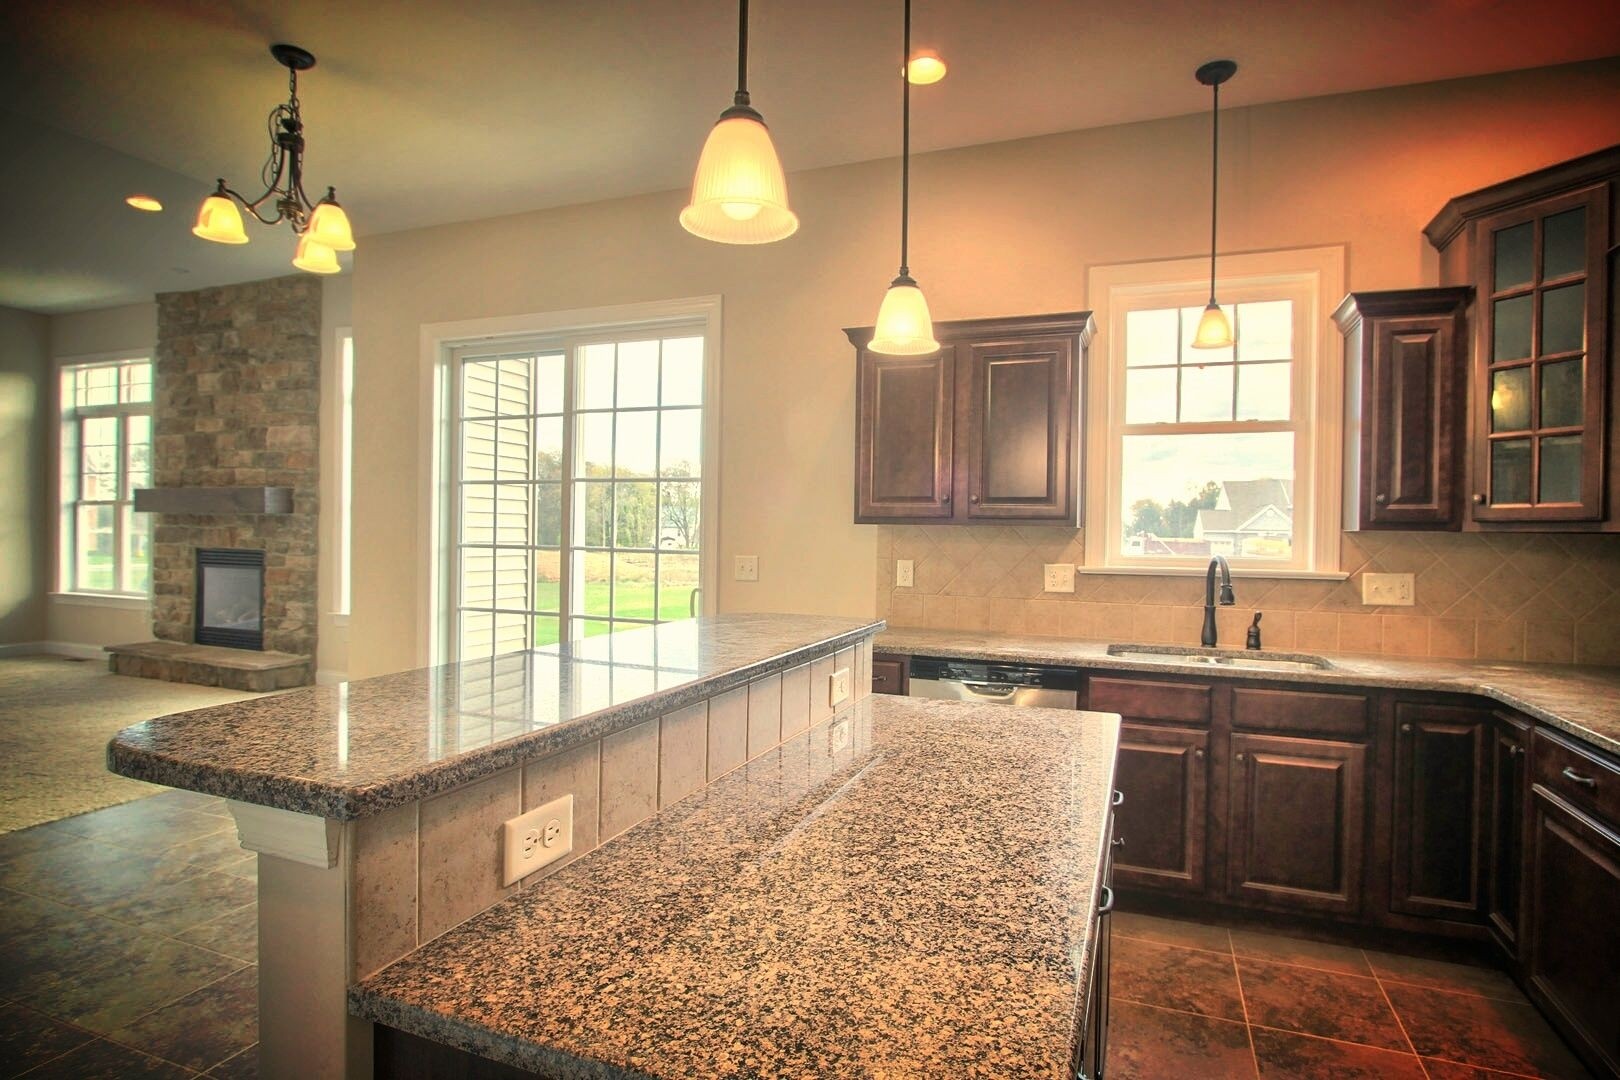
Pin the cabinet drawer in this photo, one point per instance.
(1579, 775)
(1299, 711)
(888, 676)
(1140, 699)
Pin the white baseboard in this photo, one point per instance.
(54, 648)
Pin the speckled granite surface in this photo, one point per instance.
(358, 748)
(1584, 701)
(904, 891)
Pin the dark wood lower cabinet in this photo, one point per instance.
(1164, 820)
(1573, 930)
(1504, 841)
(1297, 823)
(1437, 868)
(398, 1055)
(889, 674)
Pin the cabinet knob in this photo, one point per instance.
(973, 498)
(946, 497)
(1198, 753)
(1239, 755)
(1478, 498)
(1381, 499)
(1119, 841)
(1406, 727)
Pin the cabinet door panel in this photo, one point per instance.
(1439, 810)
(1162, 772)
(1509, 786)
(905, 437)
(1297, 823)
(1022, 418)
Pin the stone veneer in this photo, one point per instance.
(1551, 598)
(237, 402)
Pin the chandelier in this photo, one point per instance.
(322, 227)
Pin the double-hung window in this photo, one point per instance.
(106, 453)
(579, 487)
(1206, 452)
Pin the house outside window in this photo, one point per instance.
(106, 453)
(1232, 452)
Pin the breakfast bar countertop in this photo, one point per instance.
(1582, 700)
(352, 749)
(906, 889)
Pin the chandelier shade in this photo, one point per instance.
(219, 220)
(315, 257)
(739, 194)
(329, 225)
(1214, 328)
(904, 326)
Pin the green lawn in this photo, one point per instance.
(632, 602)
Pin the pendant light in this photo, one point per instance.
(1214, 329)
(739, 195)
(904, 327)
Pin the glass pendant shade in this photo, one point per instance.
(329, 226)
(904, 326)
(739, 195)
(314, 256)
(220, 221)
(1214, 329)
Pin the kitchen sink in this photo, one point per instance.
(1228, 658)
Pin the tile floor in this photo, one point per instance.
(129, 944)
(1195, 1000)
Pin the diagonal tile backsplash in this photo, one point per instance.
(1520, 596)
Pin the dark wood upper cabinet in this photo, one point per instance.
(1440, 783)
(987, 430)
(1539, 251)
(1405, 355)
(1504, 841)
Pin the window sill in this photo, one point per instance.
(122, 601)
(1200, 571)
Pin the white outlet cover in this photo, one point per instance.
(902, 573)
(1059, 577)
(838, 687)
(537, 839)
(1387, 590)
(746, 568)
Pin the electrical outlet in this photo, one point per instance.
(902, 573)
(1387, 590)
(538, 838)
(746, 568)
(1060, 577)
(838, 687)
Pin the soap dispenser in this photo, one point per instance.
(1254, 633)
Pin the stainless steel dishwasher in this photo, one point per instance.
(991, 683)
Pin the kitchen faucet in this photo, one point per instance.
(1227, 599)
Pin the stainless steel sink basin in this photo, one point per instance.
(1228, 658)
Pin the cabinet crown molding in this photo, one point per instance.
(1519, 190)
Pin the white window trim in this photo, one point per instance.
(436, 515)
(340, 527)
(61, 576)
(1318, 391)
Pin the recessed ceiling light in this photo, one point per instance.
(925, 68)
(144, 202)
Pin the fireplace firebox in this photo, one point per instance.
(230, 598)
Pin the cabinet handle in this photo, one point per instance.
(1119, 797)
(1107, 907)
(1515, 751)
(1406, 727)
(1381, 499)
(880, 678)
(1478, 498)
(1119, 841)
(1585, 781)
(1238, 756)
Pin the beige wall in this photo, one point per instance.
(1000, 229)
(24, 496)
(332, 647)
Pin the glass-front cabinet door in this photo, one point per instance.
(1539, 440)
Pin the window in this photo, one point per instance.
(1205, 452)
(106, 454)
(579, 488)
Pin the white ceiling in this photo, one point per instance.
(425, 112)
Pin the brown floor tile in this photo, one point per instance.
(32, 839)
(244, 1066)
(1174, 978)
(1281, 949)
(180, 905)
(1504, 1035)
(28, 1038)
(101, 1060)
(204, 1028)
(1189, 935)
(1451, 1070)
(1440, 975)
(1145, 1043)
(89, 875)
(1325, 1003)
(1284, 1055)
(235, 933)
(215, 851)
(127, 980)
(23, 914)
(145, 824)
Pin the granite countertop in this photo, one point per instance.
(357, 748)
(1584, 701)
(903, 890)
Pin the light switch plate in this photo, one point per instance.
(902, 573)
(1387, 590)
(746, 568)
(537, 839)
(838, 687)
(1059, 577)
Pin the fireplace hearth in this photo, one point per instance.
(230, 598)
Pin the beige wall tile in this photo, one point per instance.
(383, 909)
(728, 731)
(1317, 630)
(683, 752)
(863, 661)
(1549, 641)
(576, 771)
(459, 851)
(820, 689)
(906, 608)
(1277, 630)
(939, 612)
(629, 778)
(1080, 620)
(1044, 617)
(796, 697)
(1115, 622)
(1360, 633)
(1405, 635)
(1500, 639)
(1452, 638)
(764, 714)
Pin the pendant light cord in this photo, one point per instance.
(741, 97)
(905, 146)
(1214, 183)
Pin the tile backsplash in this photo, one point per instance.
(1520, 596)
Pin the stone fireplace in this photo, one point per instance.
(236, 469)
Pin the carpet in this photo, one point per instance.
(56, 716)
